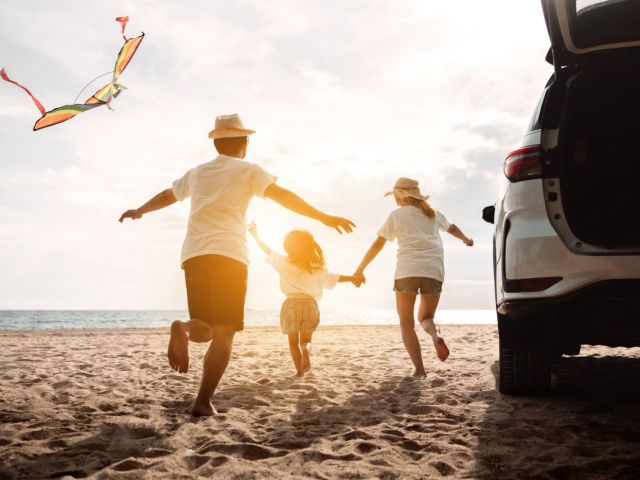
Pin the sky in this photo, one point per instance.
(345, 96)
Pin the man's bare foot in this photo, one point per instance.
(441, 349)
(178, 352)
(419, 374)
(203, 409)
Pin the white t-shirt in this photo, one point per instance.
(220, 192)
(295, 280)
(420, 252)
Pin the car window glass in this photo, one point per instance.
(601, 22)
(534, 123)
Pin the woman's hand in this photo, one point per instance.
(468, 242)
(132, 214)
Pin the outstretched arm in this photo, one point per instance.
(293, 202)
(161, 200)
(374, 250)
(253, 230)
(456, 232)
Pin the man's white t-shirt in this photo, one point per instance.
(420, 252)
(220, 192)
(295, 280)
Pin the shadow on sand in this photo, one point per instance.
(114, 446)
(589, 427)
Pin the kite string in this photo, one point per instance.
(84, 88)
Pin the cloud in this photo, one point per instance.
(345, 96)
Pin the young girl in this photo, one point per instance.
(420, 264)
(303, 275)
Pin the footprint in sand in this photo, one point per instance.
(248, 451)
(62, 384)
(127, 465)
(366, 447)
(218, 461)
(35, 435)
(443, 468)
(420, 410)
(157, 452)
(196, 461)
(356, 434)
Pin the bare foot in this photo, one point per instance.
(203, 410)
(441, 349)
(419, 374)
(178, 352)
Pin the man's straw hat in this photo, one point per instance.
(229, 126)
(407, 187)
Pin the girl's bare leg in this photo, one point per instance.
(426, 313)
(296, 354)
(405, 302)
(305, 347)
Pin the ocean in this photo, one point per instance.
(61, 319)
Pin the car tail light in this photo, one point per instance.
(523, 164)
(531, 284)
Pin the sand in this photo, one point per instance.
(104, 404)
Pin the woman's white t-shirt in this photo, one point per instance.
(420, 252)
(295, 280)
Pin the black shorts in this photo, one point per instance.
(417, 285)
(216, 289)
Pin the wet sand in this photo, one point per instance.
(105, 404)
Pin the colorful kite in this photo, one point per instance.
(102, 97)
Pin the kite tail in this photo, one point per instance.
(123, 21)
(4, 76)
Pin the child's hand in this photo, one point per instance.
(358, 279)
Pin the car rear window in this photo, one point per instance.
(600, 22)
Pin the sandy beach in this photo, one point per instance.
(104, 404)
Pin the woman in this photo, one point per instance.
(420, 264)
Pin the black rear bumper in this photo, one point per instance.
(604, 313)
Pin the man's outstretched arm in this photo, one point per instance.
(161, 200)
(293, 202)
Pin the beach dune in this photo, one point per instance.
(105, 404)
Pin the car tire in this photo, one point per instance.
(524, 365)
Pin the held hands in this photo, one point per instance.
(358, 279)
(338, 223)
(132, 214)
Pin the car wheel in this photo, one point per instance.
(524, 365)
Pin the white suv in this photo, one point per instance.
(567, 223)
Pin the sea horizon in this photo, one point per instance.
(39, 319)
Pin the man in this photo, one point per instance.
(214, 253)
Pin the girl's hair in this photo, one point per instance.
(423, 205)
(303, 250)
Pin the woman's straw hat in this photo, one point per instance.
(407, 187)
(229, 126)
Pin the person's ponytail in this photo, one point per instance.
(427, 209)
(423, 205)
